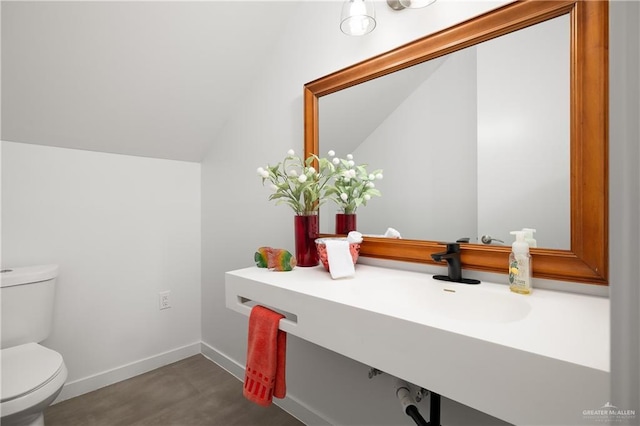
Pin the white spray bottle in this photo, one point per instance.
(520, 265)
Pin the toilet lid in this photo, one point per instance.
(25, 368)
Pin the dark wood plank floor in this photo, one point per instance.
(191, 392)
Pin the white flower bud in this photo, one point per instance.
(291, 152)
(367, 197)
(293, 173)
(336, 161)
(351, 163)
(260, 170)
(372, 176)
(344, 196)
(349, 157)
(331, 153)
(370, 185)
(311, 170)
(379, 176)
(302, 178)
(264, 174)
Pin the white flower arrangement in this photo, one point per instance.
(352, 185)
(297, 183)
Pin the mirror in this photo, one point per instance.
(580, 175)
(448, 128)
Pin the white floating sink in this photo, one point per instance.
(450, 338)
(474, 303)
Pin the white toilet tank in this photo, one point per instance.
(26, 298)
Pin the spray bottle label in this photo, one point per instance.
(519, 273)
(513, 271)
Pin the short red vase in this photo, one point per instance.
(345, 223)
(306, 232)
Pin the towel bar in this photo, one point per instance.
(249, 303)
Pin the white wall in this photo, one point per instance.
(121, 228)
(624, 205)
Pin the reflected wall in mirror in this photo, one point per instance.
(579, 174)
(474, 143)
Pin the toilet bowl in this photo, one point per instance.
(31, 375)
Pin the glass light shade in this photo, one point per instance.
(358, 17)
(416, 4)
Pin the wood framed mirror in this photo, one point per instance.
(586, 260)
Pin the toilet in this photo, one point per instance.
(32, 375)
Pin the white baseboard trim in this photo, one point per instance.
(127, 371)
(224, 361)
(290, 404)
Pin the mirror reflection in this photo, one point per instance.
(472, 144)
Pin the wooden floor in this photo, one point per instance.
(191, 392)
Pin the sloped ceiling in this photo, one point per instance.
(154, 79)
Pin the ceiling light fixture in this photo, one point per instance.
(358, 17)
(409, 4)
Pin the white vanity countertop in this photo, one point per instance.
(527, 359)
(565, 326)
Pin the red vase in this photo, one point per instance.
(345, 223)
(306, 232)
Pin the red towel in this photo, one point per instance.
(266, 354)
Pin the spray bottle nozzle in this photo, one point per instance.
(519, 245)
(519, 235)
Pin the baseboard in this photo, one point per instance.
(127, 371)
(290, 404)
(224, 361)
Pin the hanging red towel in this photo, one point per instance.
(266, 355)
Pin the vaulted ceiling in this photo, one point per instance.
(155, 79)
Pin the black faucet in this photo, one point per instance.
(452, 256)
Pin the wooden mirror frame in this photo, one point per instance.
(587, 259)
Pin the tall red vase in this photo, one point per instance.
(306, 232)
(345, 223)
